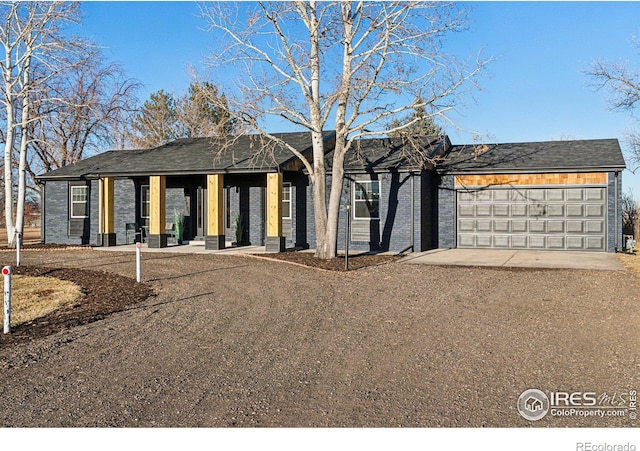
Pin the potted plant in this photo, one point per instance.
(179, 224)
(239, 230)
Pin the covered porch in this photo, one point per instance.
(218, 210)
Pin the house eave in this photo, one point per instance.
(532, 170)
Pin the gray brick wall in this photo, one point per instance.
(124, 198)
(392, 231)
(56, 212)
(614, 232)
(257, 232)
(446, 212)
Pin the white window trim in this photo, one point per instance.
(72, 202)
(142, 202)
(353, 199)
(287, 215)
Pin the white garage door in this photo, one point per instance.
(533, 218)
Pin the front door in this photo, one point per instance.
(228, 220)
(201, 213)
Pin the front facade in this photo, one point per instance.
(518, 196)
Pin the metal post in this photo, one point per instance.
(138, 264)
(347, 239)
(6, 272)
(18, 244)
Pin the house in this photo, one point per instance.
(551, 195)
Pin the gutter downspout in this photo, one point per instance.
(615, 209)
(43, 212)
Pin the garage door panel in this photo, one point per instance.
(466, 225)
(555, 226)
(533, 218)
(501, 241)
(483, 225)
(594, 194)
(519, 210)
(555, 242)
(575, 226)
(500, 225)
(575, 242)
(466, 196)
(535, 194)
(500, 210)
(594, 211)
(594, 226)
(555, 210)
(518, 226)
(466, 240)
(575, 194)
(555, 194)
(466, 210)
(537, 242)
(537, 226)
(575, 211)
(594, 243)
(501, 195)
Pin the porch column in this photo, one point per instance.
(215, 238)
(157, 213)
(275, 238)
(106, 223)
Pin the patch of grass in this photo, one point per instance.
(31, 236)
(631, 261)
(34, 297)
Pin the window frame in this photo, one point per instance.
(354, 190)
(73, 202)
(286, 214)
(143, 202)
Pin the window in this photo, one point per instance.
(286, 201)
(79, 197)
(366, 199)
(145, 201)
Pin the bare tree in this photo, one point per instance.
(351, 67)
(630, 215)
(35, 50)
(80, 112)
(624, 85)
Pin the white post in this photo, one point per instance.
(138, 265)
(6, 272)
(18, 243)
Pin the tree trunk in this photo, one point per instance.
(327, 241)
(8, 165)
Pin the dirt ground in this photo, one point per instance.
(237, 341)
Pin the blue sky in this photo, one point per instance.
(534, 90)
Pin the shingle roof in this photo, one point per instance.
(202, 156)
(367, 155)
(582, 155)
(191, 156)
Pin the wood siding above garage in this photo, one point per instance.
(571, 178)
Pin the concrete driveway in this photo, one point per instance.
(517, 258)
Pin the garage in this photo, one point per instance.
(554, 195)
(533, 218)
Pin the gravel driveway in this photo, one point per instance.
(236, 341)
